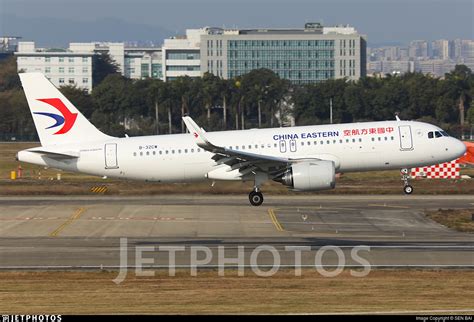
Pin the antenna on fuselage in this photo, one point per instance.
(396, 116)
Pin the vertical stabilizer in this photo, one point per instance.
(56, 119)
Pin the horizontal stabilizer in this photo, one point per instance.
(55, 153)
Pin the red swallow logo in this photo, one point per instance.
(195, 135)
(69, 118)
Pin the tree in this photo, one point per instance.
(460, 80)
(421, 90)
(165, 96)
(181, 87)
(114, 100)
(235, 98)
(211, 92)
(226, 92)
(9, 75)
(263, 90)
(103, 66)
(80, 98)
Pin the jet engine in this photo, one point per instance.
(309, 175)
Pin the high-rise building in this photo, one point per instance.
(419, 49)
(443, 49)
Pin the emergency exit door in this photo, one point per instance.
(293, 145)
(282, 146)
(111, 161)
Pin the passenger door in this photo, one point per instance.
(282, 146)
(406, 141)
(111, 161)
(293, 145)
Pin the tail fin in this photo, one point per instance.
(56, 119)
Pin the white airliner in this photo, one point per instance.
(304, 158)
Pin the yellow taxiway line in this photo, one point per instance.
(275, 220)
(75, 216)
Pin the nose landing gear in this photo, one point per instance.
(407, 188)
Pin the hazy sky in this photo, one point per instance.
(54, 22)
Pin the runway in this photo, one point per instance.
(81, 232)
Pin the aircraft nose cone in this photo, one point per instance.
(458, 148)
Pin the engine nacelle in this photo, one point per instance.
(310, 175)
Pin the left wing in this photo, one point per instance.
(245, 162)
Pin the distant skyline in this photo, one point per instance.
(385, 22)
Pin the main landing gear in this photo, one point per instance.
(256, 198)
(407, 188)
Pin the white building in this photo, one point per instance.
(394, 67)
(181, 55)
(62, 67)
(74, 66)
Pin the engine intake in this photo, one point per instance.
(309, 176)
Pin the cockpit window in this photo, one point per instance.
(436, 134)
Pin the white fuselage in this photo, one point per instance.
(176, 158)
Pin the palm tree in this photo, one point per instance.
(225, 90)
(211, 89)
(164, 97)
(182, 90)
(459, 80)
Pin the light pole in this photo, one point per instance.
(264, 94)
(330, 110)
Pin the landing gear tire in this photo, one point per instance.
(407, 188)
(256, 198)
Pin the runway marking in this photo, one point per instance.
(75, 216)
(275, 220)
(321, 208)
(228, 266)
(387, 206)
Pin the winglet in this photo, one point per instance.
(198, 134)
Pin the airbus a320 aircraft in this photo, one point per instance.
(304, 158)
